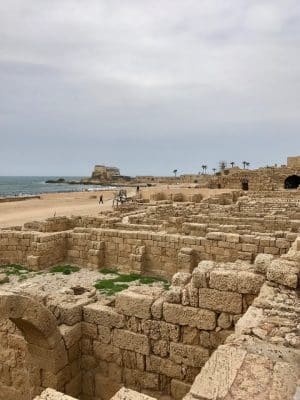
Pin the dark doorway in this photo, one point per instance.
(245, 184)
(292, 182)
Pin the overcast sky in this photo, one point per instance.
(148, 86)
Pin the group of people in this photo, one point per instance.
(120, 197)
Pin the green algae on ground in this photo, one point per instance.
(14, 269)
(64, 269)
(119, 283)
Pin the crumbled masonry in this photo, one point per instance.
(226, 328)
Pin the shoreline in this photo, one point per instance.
(25, 196)
(48, 205)
(16, 213)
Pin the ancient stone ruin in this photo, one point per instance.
(169, 299)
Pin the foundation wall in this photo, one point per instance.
(150, 253)
(157, 343)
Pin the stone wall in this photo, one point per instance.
(158, 343)
(147, 252)
(218, 324)
(32, 249)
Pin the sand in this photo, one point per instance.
(76, 203)
(58, 204)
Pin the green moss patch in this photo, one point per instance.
(64, 269)
(107, 271)
(14, 269)
(119, 283)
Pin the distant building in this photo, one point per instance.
(268, 178)
(104, 173)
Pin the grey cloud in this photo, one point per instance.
(147, 84)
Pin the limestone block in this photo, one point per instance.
(99, 314)
(191, 316)
(105, 387)
(70, 334)
(70, 313)
(194, 356)
(136, 304)
(218, 374)
(224, 321)
(190, 335)
(51, 394)
(141, 379)
(173, 295)
(107, 352)
(179, 389)
(89, 330)
(157, 308)
(201, 273)
(262, 262)
(33, 262)
(162, 330)
(251, 319)
(159, 347)
(163, 366)
(232, 238)
(283, 272)
(128, 394)
(104, 334)
(181, 279)
(249, 282)
(222, 301)
(222, 279)
(131, 341)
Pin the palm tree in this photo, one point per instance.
(222, 165)
(214, 169)
(248, 164)
(175, 172)
(204, 168)
(232, 164)
(244, 163)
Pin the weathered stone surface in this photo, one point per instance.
(181, 279)
(283, 272)
(200, 274)
(70, 334)
(262, 262)
(99, 314)
(3, 278)
(163, 366)
(223, 280)
(194, 317)
(128, 394)
(51, 394)
(131, 341)
(222, 301)
(221, 369)
(194, 356)
(136, 304)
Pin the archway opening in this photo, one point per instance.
(292, 182)
(32, 347)
(245, 184)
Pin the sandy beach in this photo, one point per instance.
(55, 204)
(76, 203)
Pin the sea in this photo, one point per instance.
(35, 185)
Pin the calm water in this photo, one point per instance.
(31, 185)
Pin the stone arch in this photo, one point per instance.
(45, 345)
(292, 182)
(245, 184)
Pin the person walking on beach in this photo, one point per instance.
(101, 199)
